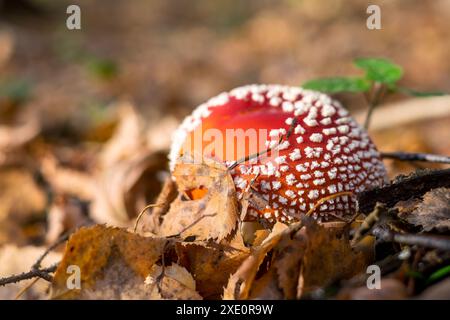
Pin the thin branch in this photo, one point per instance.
(41, 273)
(422, 240)
(36, 270)
(369, 222)
(403, 188)
(260, 153)
(406, 156)
(61, 239)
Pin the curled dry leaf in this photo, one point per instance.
(128, 138)
(66, 180)
(113, 264)
(172, 282)
(206, 205)
(125, 188)
(433, 212)
(126, 179)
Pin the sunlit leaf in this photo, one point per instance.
(380, 70)
(338, 84)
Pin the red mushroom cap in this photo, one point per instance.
(316, 149)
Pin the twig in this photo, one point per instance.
(405, 156)
(36, 270)
(142, 213)
(422, 240)
(41, 273)
(403, 188)
(260, 153)
(369, 222)
(61, 239)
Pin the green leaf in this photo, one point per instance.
(338, 84)
(380, 70)
(439, 274)
(415, 93)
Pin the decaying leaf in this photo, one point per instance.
(433, 212)
(113, 264)
(206, 205)
(172, 282)
(211, 265)
(301, 258)
(241, 281)
(328, 257)
(123, 189)
(67, 180)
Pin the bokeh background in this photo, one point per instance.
(86, 115)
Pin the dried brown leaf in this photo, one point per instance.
(433, 212)
(211, 266)
(328, 257)
(215, 215)
(172, 282)
(240, 283)
(113, 264)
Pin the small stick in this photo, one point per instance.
(41, 273)
(61, 239)
(369, 222)
(142, 213)
(406, 156)
(422, 240)
(258, 154)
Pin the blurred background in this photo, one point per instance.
(86, 115)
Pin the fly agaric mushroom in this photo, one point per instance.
(320, 150)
